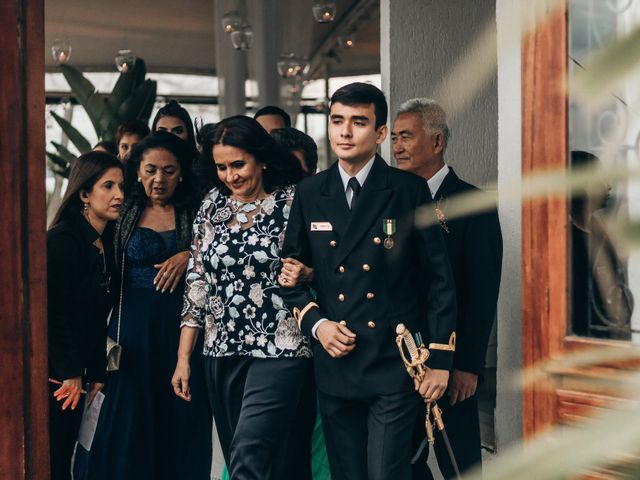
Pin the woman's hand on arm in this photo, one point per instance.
(69, 392)
(180, 379)
(294, 273)
(171, 271)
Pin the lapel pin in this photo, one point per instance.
(440, 216)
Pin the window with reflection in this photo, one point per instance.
(605, 275)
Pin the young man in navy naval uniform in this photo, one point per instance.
(419, 136)
(373, 269)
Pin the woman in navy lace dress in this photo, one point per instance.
(144, 431)
(255, 354)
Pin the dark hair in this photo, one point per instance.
(174, 109)
(359, 93)
(133, 127)
(185, 191)
(282, 167)
(294, 139)
(581, 158)
(85, 172)
(108, 145)
(204, 169)
(273, 110)
(203, 131)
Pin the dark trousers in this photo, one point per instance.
(463, 429)
(300, 438)
(253, 402)
(63, 433)
(370, 438)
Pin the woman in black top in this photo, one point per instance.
(78, 296)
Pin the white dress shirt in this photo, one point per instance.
(361, 176)
(435, 182)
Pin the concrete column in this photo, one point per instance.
(423, 47)
(231, 65)
(263, 15)
(508, 415)
(421, 43)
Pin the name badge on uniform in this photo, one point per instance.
(321, 227)
(389, 228)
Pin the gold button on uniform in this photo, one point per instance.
(366, 267)
(371, 324)
(333, 243)
(377, 240)
(341, 297)
(370, 296)
(341, 269)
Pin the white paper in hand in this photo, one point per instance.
(90, 422)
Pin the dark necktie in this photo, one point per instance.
(355, 188)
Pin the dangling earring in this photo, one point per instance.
(139, 180)
(264, 167)
(180, 179)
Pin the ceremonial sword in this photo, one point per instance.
(416, 369)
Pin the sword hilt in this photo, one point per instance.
(418, 354)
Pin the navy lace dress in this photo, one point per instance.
(144, 430)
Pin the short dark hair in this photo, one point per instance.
(273, 110)
(108, 145)
(294, 139)
(85, 172)
(132, 127)
(181, 150)
(174, 109)
(359, 93)
(282, 167)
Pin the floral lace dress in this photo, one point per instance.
(232, 290)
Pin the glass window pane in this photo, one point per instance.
(605, 279)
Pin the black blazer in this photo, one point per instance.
(475, 251)
(78, 300)
(372, 288)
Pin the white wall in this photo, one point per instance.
(425, 41)
(508, 419)
(421, 44)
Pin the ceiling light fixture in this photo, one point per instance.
(290, 66)
(324, 12)
(242, 37)
(231, 21)
(124, 60)
(61, 50)
(346, 41)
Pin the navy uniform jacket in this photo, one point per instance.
(372, 288)
(475, 250)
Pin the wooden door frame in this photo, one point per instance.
(24, 446)
(545, 236)
(567, 394)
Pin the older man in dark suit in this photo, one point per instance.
(419, 136)
(373, 269)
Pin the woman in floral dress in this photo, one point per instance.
(255, 355)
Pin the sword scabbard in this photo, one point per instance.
(437, 416)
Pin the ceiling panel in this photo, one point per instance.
(178, 37)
